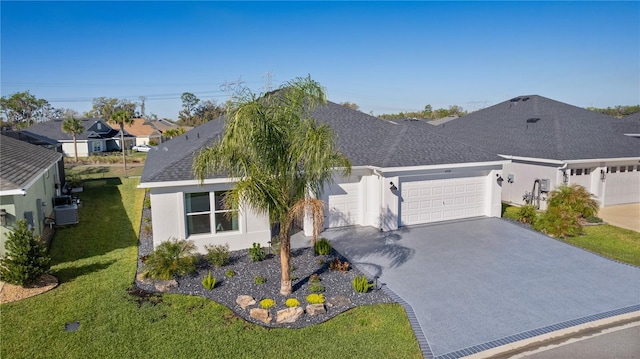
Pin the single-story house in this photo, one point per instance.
(550, 143)
(144, 132)
(403, 174)
(29, 180)
(97, 137)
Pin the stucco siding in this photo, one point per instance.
(524, 175)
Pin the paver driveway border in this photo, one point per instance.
(382, 253)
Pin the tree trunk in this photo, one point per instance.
(285, 257)
(75, 147)
(124, 158)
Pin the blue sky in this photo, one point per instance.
(384, 56)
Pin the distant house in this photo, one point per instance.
(144, 132)
(550, 143)
(97, 137)
(29, 181)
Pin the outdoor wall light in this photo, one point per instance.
(603, 175)
(3, 217)
(565, 177)
(393, 187)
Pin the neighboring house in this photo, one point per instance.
(628, 126)
(97, 137)
(29, 181)
(550, 143)
(403, 174)
(144, 132)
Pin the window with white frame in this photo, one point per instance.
(198, 213)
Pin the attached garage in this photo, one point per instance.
(343, 204)
(429, 201)
(622, 187)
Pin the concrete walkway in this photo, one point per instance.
(622, 215)
(480, 284)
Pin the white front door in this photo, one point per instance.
(442, 199)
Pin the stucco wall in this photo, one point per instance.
(168, 220)
(524, 175)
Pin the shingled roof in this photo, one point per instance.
(53, 129)
(21, 163)
(629, 125)
(537, 127)
(364, 139)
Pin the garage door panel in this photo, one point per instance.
(622, 187)
(343, 205)
(442, 199)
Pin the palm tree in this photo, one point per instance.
(281, 156)
(120, 118)
(73, 126)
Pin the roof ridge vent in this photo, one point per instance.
(533, 120)
(515, 99)
(525, 98)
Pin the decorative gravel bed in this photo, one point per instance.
(304, 264)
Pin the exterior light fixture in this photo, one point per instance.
(565, 177)
(603, 175)
(3, 217)
(393, 187)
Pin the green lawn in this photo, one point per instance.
(104, 171)
(95, 262)
(612, 242)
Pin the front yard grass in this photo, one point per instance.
(96, 262)
(613, 242)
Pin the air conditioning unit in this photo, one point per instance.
(66, 211)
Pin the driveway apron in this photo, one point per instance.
(482, 283)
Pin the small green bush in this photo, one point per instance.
(230, 273)
(361, 284)
(314, 278)
(315, 298)
(267, 303)
(292, 302)
(259, 280)
(147, 202)
(336, 264)
(209, 282)
(322, 247)
(559, 222)
(527, 214)
(26, 259)
(218, 255)
(146, 229)
(171, 258)
(316, 288)
(256, 253)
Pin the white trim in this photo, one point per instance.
(532, 159)
(13, 192)
(437, 167)
(164, 184)
(562, 162)
(619, 159)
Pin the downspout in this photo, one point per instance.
(377, 172)
(564, 173)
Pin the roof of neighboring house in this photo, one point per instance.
(440, 121)
(141, 128)
(629, 125)
(22, 162)
(537, 127)
(364, 139)
(53, 129)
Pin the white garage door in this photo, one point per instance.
(623, 187)
(343, 205)
(441, 200)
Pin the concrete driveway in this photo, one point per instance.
(482, 283)
(622, 215)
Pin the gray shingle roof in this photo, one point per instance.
(53, 129)
(627, 125)
(22, 162)
(364, 139)
(538, 127)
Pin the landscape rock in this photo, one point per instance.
(245, 300)
(260, 314)
(338, 301)
(140, 277)
(314, 309)
(289, 315)
(165, 285)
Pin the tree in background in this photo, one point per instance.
(194, 112)
(350, 105)
(121, 117)
(73, 126)
(105, 107)
(22, 110)
(279, 153)
(173, 132)
(617, 111)
(428, 113)
(26, 259)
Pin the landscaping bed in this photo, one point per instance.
(338, 291)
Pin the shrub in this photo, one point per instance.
(361, 284)
(153, 142)
(260, 280)
(171, 258)
(315, 298)
(146, 229)
(292, 302)
(218, 255)
(336, 264)
(147, 202)
(322, 247)
(256, 253)
(316, 288)
(267, 303)
(527, 214)
(574, 198)
(314, 278)
(209, 282)
(26, 258)
(559, 222)
(230, 273)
